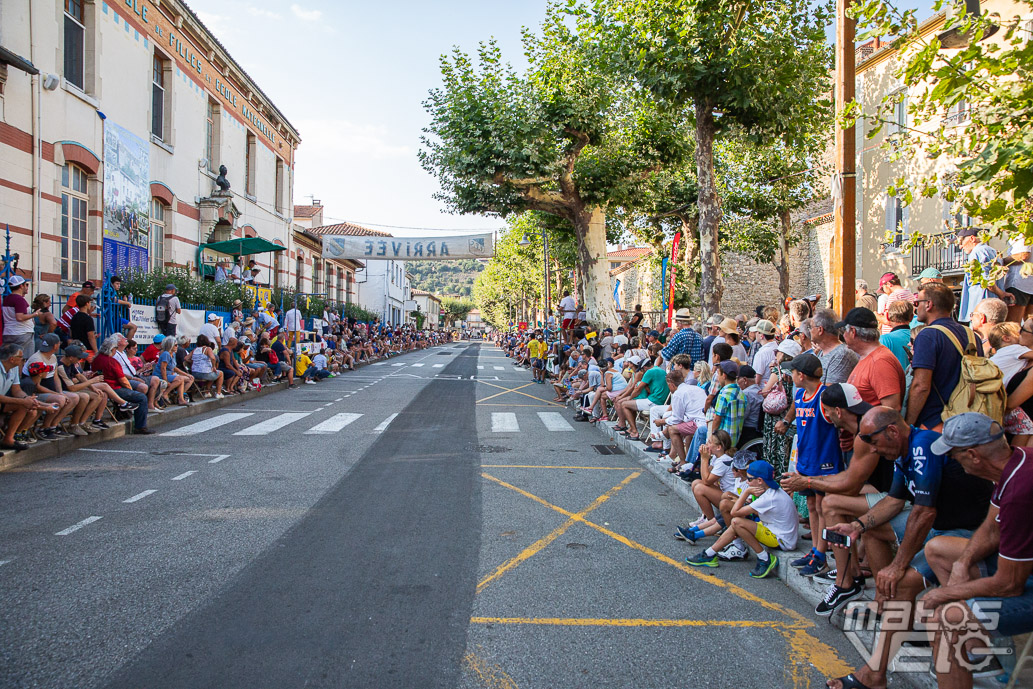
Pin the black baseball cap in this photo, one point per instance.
(805, 363)
(844, 396)
(859, 317)
(746, 371)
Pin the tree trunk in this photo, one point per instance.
(709, 204)
(592, 267)
(782, 266)
(690, 240)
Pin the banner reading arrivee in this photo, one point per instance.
(408, 248)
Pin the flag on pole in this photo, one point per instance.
(616, 294)
(674, 264)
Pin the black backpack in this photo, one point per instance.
(161, 309)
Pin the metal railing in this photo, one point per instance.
(938, 252)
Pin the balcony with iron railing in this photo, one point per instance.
(938, 251)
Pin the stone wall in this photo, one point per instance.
(749, 284)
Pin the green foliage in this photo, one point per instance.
(456, 309)
(150, 284)
(445, 277)
(972, 105)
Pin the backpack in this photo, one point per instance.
(981, 384)
(161, 309)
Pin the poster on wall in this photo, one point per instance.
(127, 199)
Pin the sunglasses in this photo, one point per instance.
(867, 437)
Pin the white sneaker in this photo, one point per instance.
(220, 396)
(310, 382)
(732, 552)
(702, 518)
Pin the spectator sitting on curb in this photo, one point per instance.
(776, 526)
(946, 502)
(73, 380)
(177, 379)
(988, 577)
(717, 479)
(203, 365)
(105, 363)
(21, 409)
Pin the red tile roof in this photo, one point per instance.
(630, 253)
(347, 228)
(306, 211)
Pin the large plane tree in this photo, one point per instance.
(564, 138)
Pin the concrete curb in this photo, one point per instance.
(47, 449)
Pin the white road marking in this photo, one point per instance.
(75, 527)
(439, 366)
(209, 424)
(554, 421)
(183, 475)
(504, 422)
(339, 398)
(334, 424)
(274, 424)
(380, 363)
(398, 364)
(140, 496)
(217, 459)
(4, 562)
(480, 368)
(386, 422)
(417, 365)
(499, 368)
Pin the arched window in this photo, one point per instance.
(74, 205)
(158, 229)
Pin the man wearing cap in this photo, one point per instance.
(74, 380)
(621, 338)
(765, 356)
(850, 493)
(20, 407)
(972, 294)
(649, 391)
(685, 341)
(173, 308)
(878, 375)
(936, 362)
(606, 344)
(153, 350)
(746, 379)
(88, 289)
(890, 291)
(210, 329)
(818, 450)
(989, 575)
(713, 334)
(72, 403)
(946, 502)
(82, 327)
(18, 320)
(763, 516)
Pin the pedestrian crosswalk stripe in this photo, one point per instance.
(398, 364)
(384, 424)
(333, 424)
(499, 368)
(274, 424)
(554, 421)
(439, 365)
(480, 368)
(504, 422)
(417, 365)
(209, 424)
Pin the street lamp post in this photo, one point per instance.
(545, 255)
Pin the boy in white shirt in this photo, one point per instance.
(716, 478)
(737, 549)
(777, 527)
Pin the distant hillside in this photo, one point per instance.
(445, 277)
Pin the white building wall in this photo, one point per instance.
(383, 289)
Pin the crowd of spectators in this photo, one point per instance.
(894, 440)
(60, 380)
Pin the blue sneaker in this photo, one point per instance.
(691, 534)
(701, 559)
(803, 561)
(815, 566)
(763, 569)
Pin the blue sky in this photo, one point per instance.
(351, 77)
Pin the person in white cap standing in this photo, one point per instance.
(18, 320)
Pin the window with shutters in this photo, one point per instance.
(279, 186)
(161, 98)
(213, 122)
(74, 206)
(250, 153)
(896, 221)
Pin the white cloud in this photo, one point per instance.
(219, 24)
(262, 12)
(307, 15)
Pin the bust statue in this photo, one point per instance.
(221, 181)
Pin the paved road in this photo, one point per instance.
(431, 521)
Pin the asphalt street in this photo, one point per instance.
(429, 521)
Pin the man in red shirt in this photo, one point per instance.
(105, 364)
(87, 289)
(989, 575)
(877, 376)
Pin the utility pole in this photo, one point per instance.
(842, 268)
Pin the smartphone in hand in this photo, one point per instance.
(836, 538)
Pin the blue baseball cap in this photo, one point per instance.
(761, 469)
